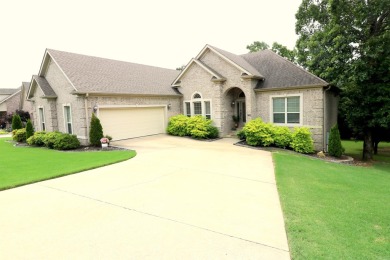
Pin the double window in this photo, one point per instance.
(68, 119)
(286, 110)
(197, 106)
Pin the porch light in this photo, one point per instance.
(233, 103)
(169, 106)
(95, 108)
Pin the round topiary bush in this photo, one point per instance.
(37, 139)
(19, 135)
(258, 133)
(302, 141)
(177, 125)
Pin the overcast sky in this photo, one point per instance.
(165, 33)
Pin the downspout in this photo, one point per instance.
(86, 116)
(325, 139)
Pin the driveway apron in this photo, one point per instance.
(177, 199)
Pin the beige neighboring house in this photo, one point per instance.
(133, 100)
(14, 99)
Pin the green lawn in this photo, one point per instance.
(334, 211)
(24, 165)
(355, 149)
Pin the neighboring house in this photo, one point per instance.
(14, 99)
(133, 100)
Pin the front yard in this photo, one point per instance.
(24, 165)
(335, 211)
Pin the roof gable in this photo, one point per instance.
(13, 91)
(215, 76)
(41, 82)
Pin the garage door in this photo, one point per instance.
(123, 123)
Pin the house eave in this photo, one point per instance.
(96, 93)
(289, 88)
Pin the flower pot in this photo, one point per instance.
(104, 145)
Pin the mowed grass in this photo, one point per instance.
(24, 165)
(355, 149)
(334, 211)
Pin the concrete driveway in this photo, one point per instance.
(177, 199)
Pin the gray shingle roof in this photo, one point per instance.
(8, 91)
(240, 61)
(279, 72)
(45, 86)
(92, 74)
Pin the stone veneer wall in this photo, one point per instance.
(196, 79)
(313, 113)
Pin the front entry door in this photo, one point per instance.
(241, 111)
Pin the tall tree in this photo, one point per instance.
(276, 47)
(346, 42)
(257, 46)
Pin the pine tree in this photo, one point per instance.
(334, 147)
(95, 131)
(16, 122)
(29, 129)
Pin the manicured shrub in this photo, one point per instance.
(241, 135)
(178, 125)
(197, 127)
(66, 142)
(213, 132)
(29, 129)
(19, 135)
(95, 131)
(258, 133)
(282, 136)
(16, 122)
(50, 138)
(302, 141)
(334, 147)
(37, 139)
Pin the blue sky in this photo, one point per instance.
(160, 33)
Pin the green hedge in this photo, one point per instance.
(54, 140)
(19, 135)
(258, 133)
(197, 127)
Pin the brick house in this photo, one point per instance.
(14, 99)
(133, 100)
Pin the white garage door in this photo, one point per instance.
(123, 123)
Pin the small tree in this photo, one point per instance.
(95, 131)
(29, 129)
(16, 122)
(334, 147)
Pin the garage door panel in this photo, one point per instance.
(123, 123)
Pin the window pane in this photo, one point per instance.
(279, 118)
(293, 118)
(197, 108)
(41, 115)
(69, 128)
(278, 105)
(208, 116)
(293, 104)
(207, 107)
(67, 112)
(197, 96)
(188, 108)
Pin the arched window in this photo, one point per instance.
(197, 106)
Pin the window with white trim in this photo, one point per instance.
(198, 106)
(68, 119)
(41, 114)
(187, 106)
(286, 110)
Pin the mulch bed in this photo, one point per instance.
(343, 159)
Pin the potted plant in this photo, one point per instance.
(105, 142)
(236, 120)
